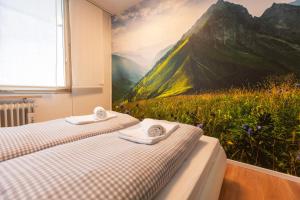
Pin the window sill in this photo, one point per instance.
(23, 94)
(33, 91)
(15, 96)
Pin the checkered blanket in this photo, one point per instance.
(101, 167)
(22, 140)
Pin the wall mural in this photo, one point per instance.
(229, 67)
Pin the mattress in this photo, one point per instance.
(22, 140)
(201, 175)
(99, 167)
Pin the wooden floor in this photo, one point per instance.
(242, 184)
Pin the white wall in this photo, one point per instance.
(91, 65)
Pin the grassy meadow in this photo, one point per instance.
(256, 126)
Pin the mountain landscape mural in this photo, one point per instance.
(231, 69)
(126, 73)
(227, 47)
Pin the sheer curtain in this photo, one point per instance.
(32, 43)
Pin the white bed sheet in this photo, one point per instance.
(201, 175)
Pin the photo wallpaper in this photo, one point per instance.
(230, 67)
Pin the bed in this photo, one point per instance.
(184, 166)
(22, 140)
(201, 175)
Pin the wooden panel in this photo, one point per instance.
(107, 90)
(91, 57)
(246, 184)
(53, 106)
(87, 44)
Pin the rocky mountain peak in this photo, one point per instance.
(222, 14)
(281, 7)
(282, 20)
(296, 3)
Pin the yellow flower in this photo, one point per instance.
(229, 142)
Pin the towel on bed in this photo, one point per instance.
(137, 133)
(87, 119)
(152, 128)
(100, 112)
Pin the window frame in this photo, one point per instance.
(10, 89)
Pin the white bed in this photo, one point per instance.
(201, 175)
(179, 168)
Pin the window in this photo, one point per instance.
(32, 44)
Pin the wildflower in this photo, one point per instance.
(200, 126)
(246, 127)
(229, 142)
(259, 128)
(250, 131)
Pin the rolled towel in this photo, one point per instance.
(152, 128)
(100, 113)
(139, 133)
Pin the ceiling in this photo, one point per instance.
(115, 6)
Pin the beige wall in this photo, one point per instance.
(90, 29)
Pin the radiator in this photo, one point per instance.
(16, 112)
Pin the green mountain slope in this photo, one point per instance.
(161, 54)
(226, 47)
(125, 74)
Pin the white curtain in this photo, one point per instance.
(31, 43)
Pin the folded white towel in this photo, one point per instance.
(100, 113)
(88, 119)
(152, 128)
(137, 133)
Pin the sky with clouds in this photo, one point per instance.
(142, 31)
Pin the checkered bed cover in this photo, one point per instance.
(100, 167)
(22, 140)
